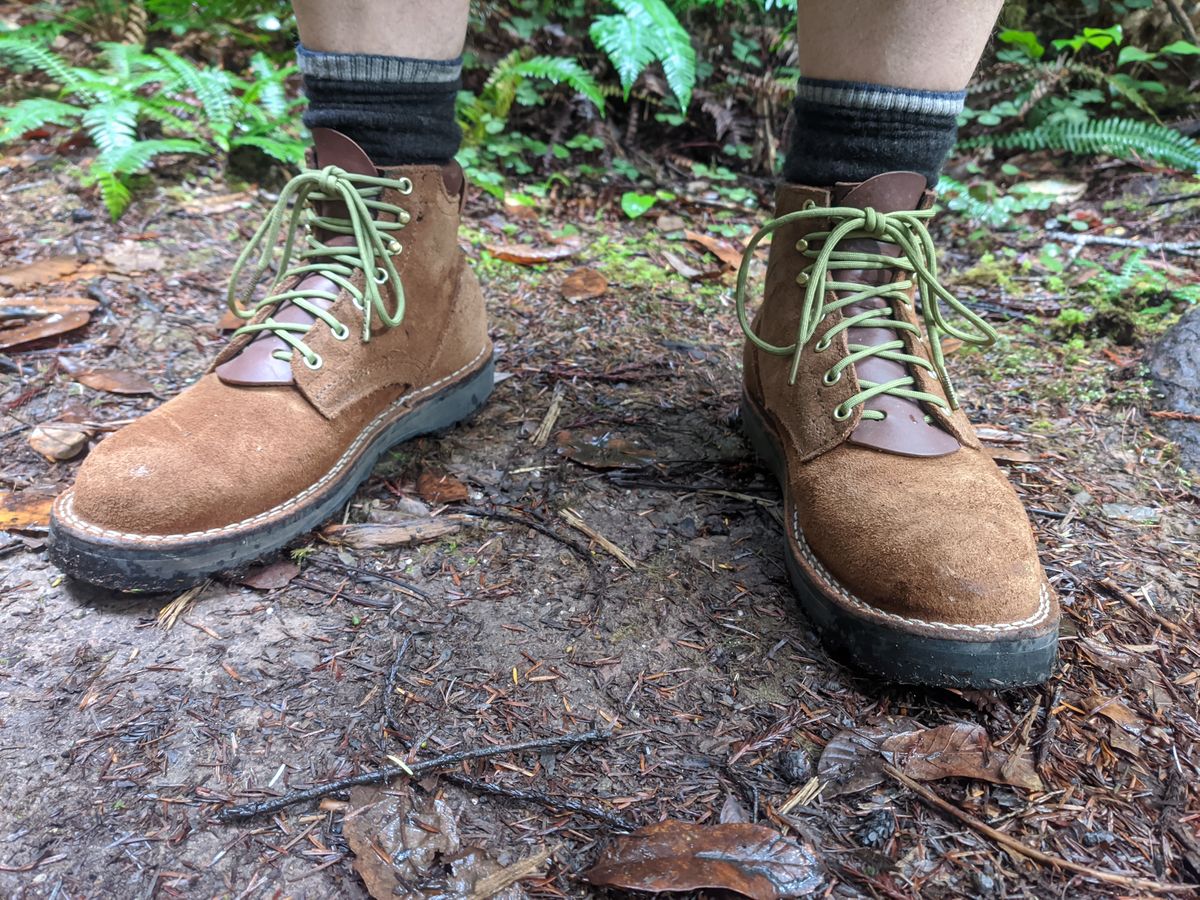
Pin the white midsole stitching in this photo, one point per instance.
(64, 506)
(1043, 609)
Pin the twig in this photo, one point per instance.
(1175, 415)
(1050, 728)
(573, 519)
(548, 800)
(1113, 589)
(388, 773)
(579, 549)
(1182, 20)
(401, 587)
(389, 695)
(169, 614)
(491, 885)
(1184, 248)
(1129, 881)
(543, 433)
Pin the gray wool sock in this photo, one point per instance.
(851, 131)
(399, 110)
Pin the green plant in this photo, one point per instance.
(648, 31)
(136, 106)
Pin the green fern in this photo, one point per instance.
(33, 113)
(1123, 138)
(648, 31)
(112, 126)
(33, 56)
(561, 70)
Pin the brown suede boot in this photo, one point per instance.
(906, 545)
(375, 334)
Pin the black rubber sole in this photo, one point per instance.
(168, 566)
(892, 653)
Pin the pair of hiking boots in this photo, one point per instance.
(907, 547)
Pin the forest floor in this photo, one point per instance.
(123, 732)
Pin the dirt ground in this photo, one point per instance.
(121, 738)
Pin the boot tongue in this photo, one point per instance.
(256, 364)
(905, 430)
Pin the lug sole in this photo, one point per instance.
(893, 653)
(158, 566)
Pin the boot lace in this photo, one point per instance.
(907, 231)
(371, 252)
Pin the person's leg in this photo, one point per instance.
(907, 546)
(882, 85)
(373, 332)
(385, 73)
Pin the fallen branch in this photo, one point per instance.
(1113, 589)
(573, 519)
(1057, 862)
(1175, 415)
(1184, 248)
(416, 770)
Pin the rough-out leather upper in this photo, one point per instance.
(223, 452)
(926, 540)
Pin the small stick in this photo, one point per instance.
(543, 433)
(577, 548)
(1129, 881)
(549, 800)
(573, 519)
(1050, 728)
(491, 885)
(1184, 248)
(1175, 415)
(388, 773)
(1112, 588)
(169, 614)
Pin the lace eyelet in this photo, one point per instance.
(394, 247)
(342, 334)
(381, 275)
(315, 363)
(809, 204)
(404, 186)
(802, 278)
(404, 217)
(801, 245)
(827, 381)
(840, 413)
(822, 345)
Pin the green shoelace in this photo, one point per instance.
(917, 256)
(371, 253)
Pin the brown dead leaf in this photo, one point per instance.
(950, 344)
(370, 536)
(271, 576)
(691, 273)
(1011, 455)
(114, 381)
(584, 284)
(603, 450)
(25, 511)
(438, 488)
(722, 249)
(750, 860)
(129, 257)
(1115, 711)
(851, 763)
(38, 273)
(528, 255)
(957, 750)
(59, 440)
(230, 321)
(30, 319)
(667, 223)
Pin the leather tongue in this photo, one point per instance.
(904, 430)
(256, 363)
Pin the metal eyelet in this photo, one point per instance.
(840, 413)
(809, 204)
(827, 381)
(340, 335)
(405, 186)
(381, 275)
(802, 278)
(394, 247)
(314, 363)
(404, 217)
(801, 245)
(822, 345)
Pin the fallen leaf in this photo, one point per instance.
(219, 203)
(687, 271)
(957, 750)
(36, 318)
(129, 257)
(39, 273)
(851, 763)
(59, 440)
(949, 345)
(732, 810)
(230, 321)
(751, 860)
(1115, 711)
(440, 488)
(1011, 455)
(114, 381)
(371, 536)
(271, 576)
(603, 450)
(527, 255)
(994, 435)
(25, 511)
(583, 284)
(721, 249)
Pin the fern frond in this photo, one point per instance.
(113, 125)
(268, 87)
(136, 157)
(562, 70)
(33, 113)
(212, 88)
(1126, 139)
(289, 152)
(647, 31)
(36, 57)
(113, 191)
